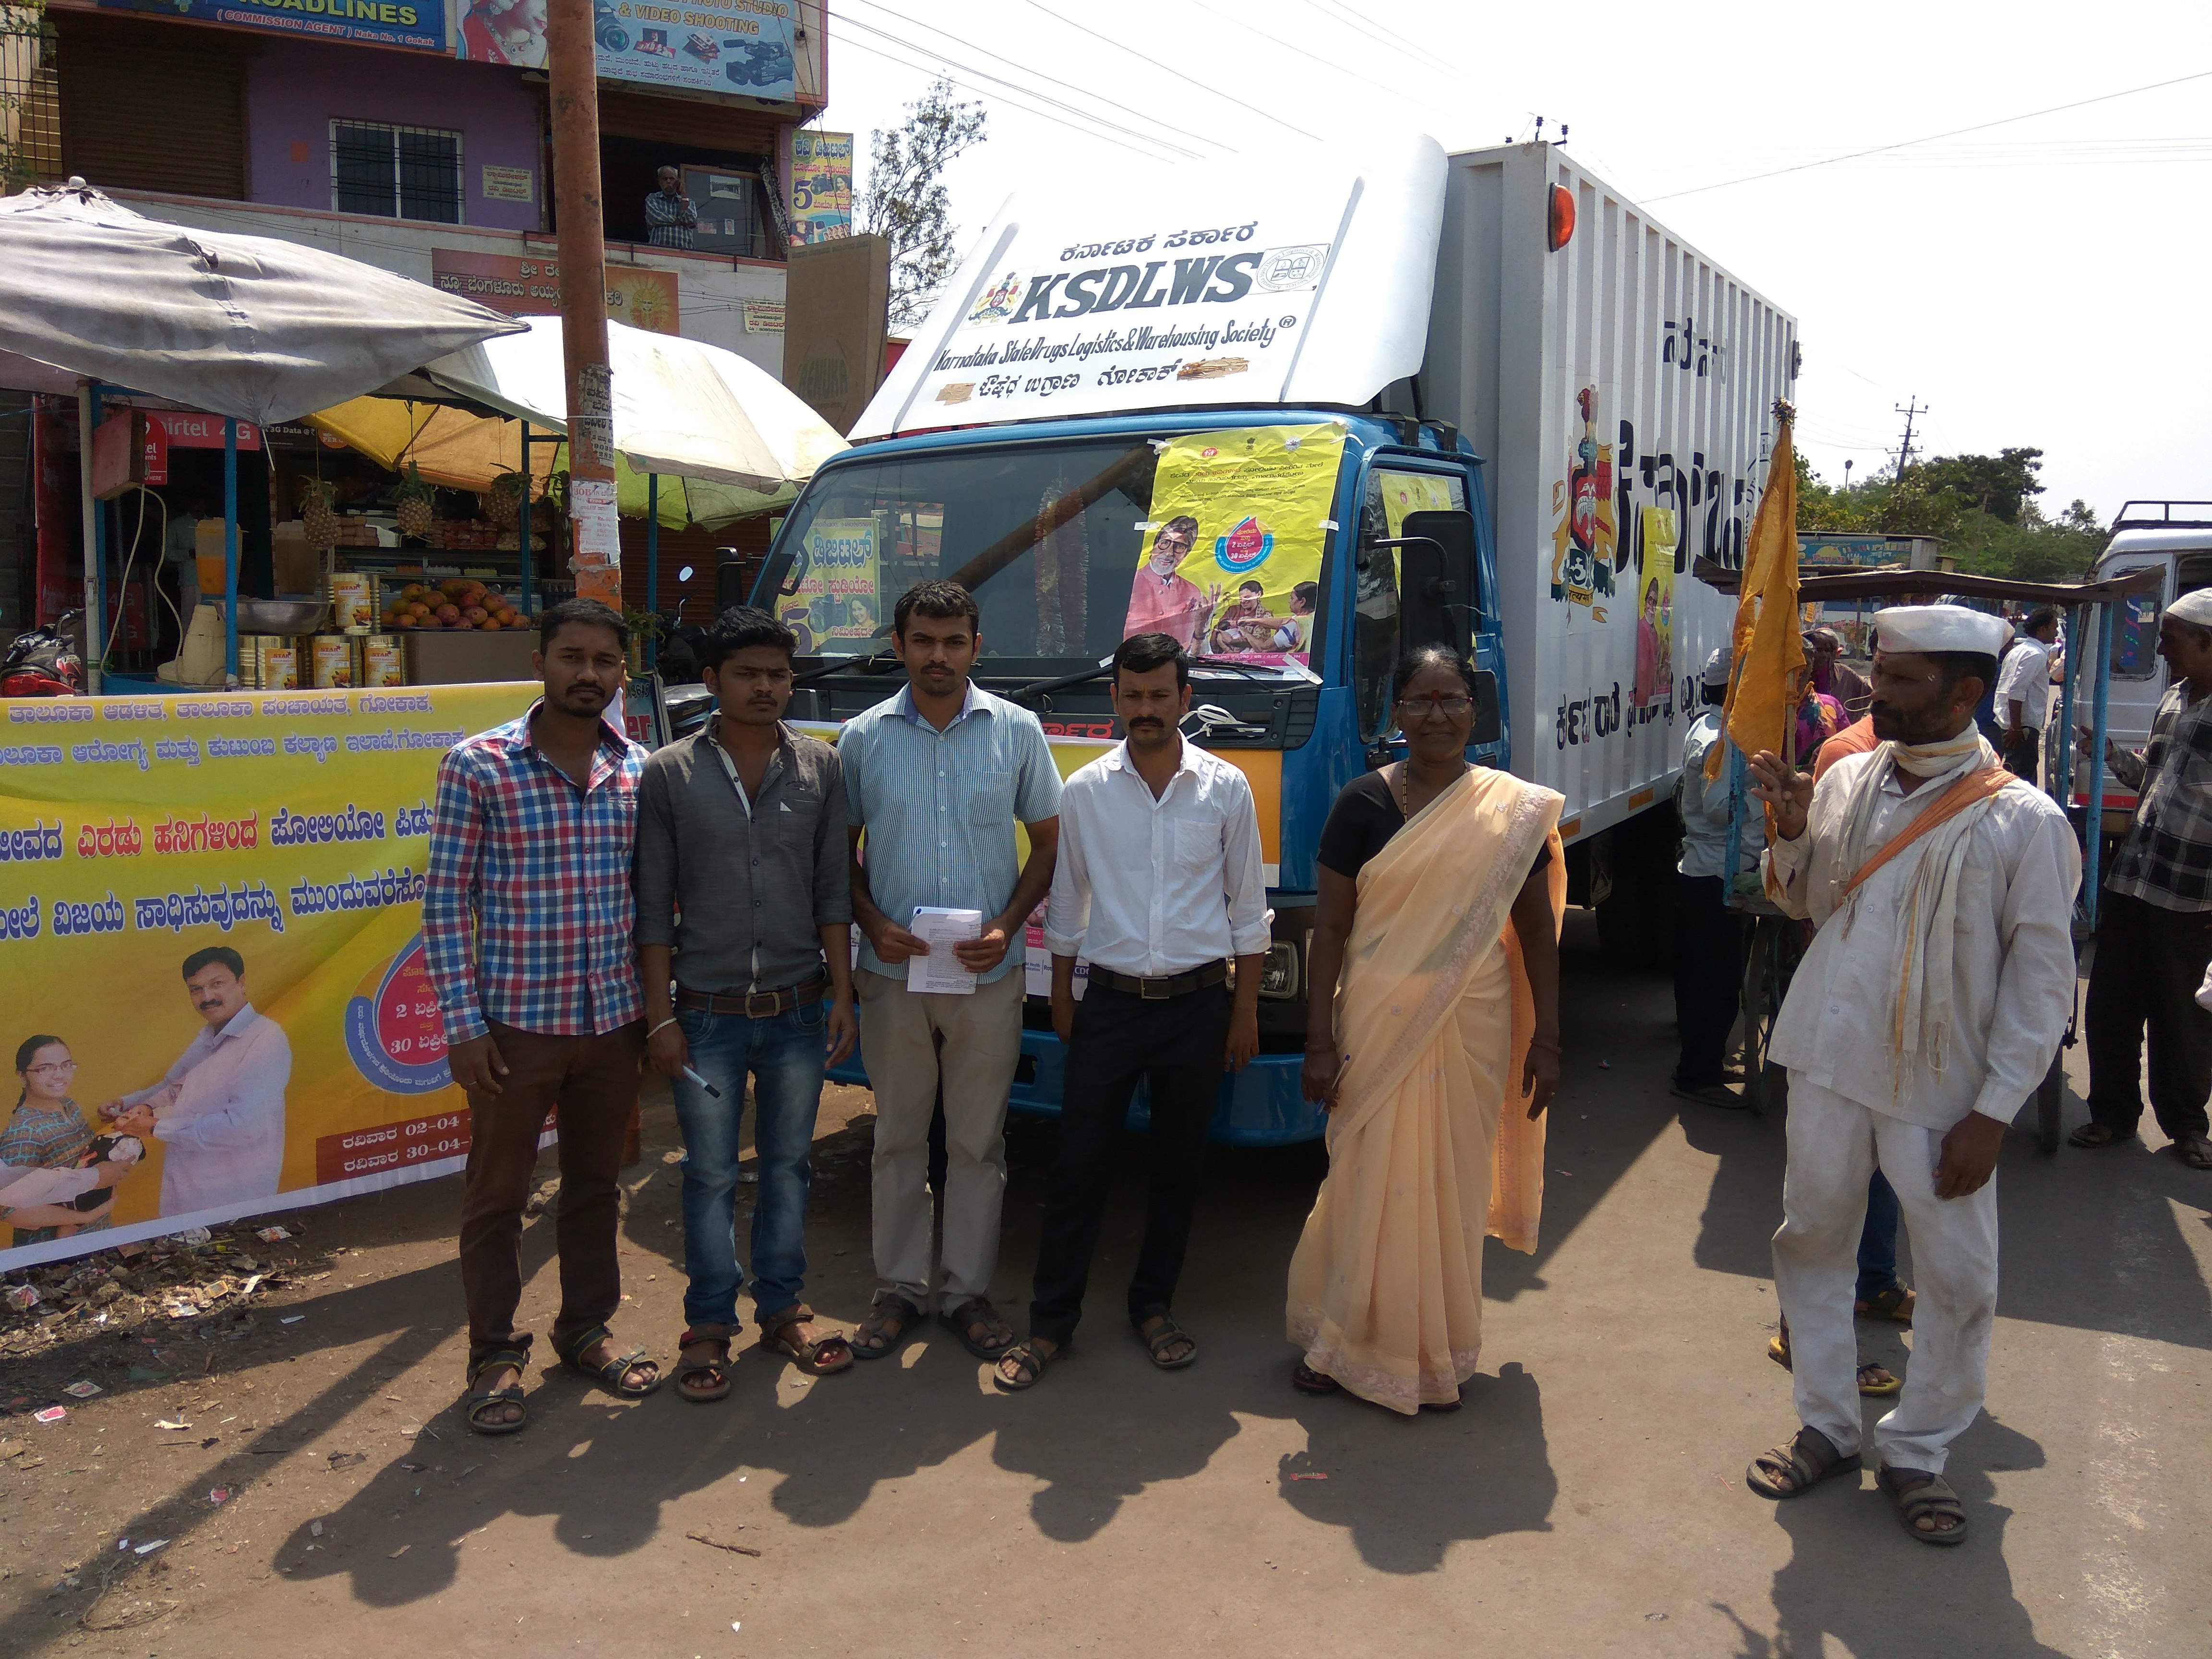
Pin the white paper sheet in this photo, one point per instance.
(940, 972)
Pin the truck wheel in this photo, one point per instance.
(1636, 923)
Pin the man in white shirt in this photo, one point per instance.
(1159, 883)
(219, 1111)
(2024, 691)
(1925, 1011)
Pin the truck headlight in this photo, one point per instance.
(1279, 971)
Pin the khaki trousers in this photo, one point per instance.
(983, 1037)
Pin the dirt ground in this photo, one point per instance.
(1590, 1500)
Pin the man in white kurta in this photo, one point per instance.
(1925, 1014)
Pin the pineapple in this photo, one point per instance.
(415, 505)
(317, 516)
(503, 502)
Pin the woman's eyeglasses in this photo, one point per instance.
(1451, 709)
(51, 1068)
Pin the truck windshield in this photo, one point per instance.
(1057, 542)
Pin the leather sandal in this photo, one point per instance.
(825, 1356)
(1807, 1459)
(704, 1382)
(1921, 1496)
(889, 1323)
(484, 1408)
(612, 1374)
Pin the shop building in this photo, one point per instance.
(416, 137)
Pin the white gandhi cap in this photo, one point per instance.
(1940, 627)
(2194, 608)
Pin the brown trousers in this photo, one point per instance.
(590, 1082)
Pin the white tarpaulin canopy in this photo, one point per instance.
(243, 326)
(682, 408)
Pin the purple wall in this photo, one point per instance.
(295, 88)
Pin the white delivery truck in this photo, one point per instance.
(1477, 399)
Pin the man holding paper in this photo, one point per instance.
(935, 778)
(1159, 883)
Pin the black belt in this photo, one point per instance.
(1167, 985)
(753, 1005)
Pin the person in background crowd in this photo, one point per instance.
(2155, 921)
(45, 1131)
(1157, 885)
(1442, 888)
(744, 916)
(2024, 691)
(935, 778)
(1911, 1033)
(1820, 717)
(1708, 935)
(219, 1112)
(671, 220)
(1832, 676)
(527, 928)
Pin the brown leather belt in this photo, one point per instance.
(1167, 985)
(753, 1005)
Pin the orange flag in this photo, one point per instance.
(1767, 677)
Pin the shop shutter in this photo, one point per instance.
(154, 105)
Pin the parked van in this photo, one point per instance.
(2175, 539)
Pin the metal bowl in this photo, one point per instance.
(280, 616)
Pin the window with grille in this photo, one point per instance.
(397, 172)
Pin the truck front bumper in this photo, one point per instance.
(1259, 1106)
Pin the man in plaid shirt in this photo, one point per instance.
(2155, 925)
(526, 928)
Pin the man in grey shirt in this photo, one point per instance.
(744, 927)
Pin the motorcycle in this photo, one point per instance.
(43, 662)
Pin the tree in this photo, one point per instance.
(906, 201)
(1997, 485)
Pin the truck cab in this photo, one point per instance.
(1047, 524)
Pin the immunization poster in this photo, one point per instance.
(275, 845)
(1231, 559)
(836, 608)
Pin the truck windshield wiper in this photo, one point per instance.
(1098, 670)
(871, 664)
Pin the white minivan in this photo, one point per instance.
(2175, 539)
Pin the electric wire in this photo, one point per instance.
(1277, 40)
(986, 92)
(1009, 86)
(1907, 143)
(1170, 69)
(1111, 103)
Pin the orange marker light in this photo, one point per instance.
(1563, 217)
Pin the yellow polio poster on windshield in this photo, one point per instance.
(211, 955)
(1232, 564)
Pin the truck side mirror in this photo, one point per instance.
(1488, 727)
(1435, 580)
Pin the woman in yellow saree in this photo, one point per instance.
(1441, 888)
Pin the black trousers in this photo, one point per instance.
(1175, 1045)
(2149, 963)
(1708, 977)
(2022, 754)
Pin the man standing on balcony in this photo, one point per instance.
(670, 218)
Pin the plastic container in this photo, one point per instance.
(208, 557)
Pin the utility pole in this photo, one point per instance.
(1910, 408)
(572, 72)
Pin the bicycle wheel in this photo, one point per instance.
(1759, 1001)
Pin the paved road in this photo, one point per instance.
(1587, 1501)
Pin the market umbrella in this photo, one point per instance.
(683, 407)
(243, 327)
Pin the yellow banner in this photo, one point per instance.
(278, 842)
(1244, 514)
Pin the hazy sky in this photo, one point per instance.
(2042, 283)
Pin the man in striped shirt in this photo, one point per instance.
(935, 778)
(527, 927)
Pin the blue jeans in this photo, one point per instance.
(783, 1055)
(1878, 1239)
